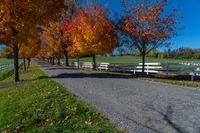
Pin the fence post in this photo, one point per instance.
(167, 70)
(147, 69)
(192, 75)
(3, 68)
(134, 71)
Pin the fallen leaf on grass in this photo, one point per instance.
(38, 110)
(88, 122)
(19, 127)
(67, 117)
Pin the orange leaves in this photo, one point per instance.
(18, 16)
(52, 37)
(30, 50)
(92, 32)
(147, 25)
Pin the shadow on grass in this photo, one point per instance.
(7, 84)
(11, 83)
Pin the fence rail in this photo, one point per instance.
(179, 69)
(5, 67)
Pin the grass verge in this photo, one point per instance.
(42, 105)
(4, 75)
(186, 83)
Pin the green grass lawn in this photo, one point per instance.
(134, 60)
(186, 83)
(6, 74)
(38, 104)
(5, 61)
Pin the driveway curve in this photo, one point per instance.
(134, 105)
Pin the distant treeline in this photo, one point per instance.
(180, 53)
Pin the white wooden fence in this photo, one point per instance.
(104, 66)
(5, 67)
(148, 68)
(191, 69)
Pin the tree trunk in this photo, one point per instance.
(53, 62)
(24, 63)
(66, 58)
(78, 62)
(16, 63)
(143, 63)
(29, 62)
(94, 62)
(58, 60)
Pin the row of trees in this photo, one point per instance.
(63, 28)
(19, 21)
(90, 32)
(180, 53)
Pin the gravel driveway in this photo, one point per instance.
(134, 105)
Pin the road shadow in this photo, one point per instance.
(167, 116)
(61, 68)
(87, 75)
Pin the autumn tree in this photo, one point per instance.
(53, 33)
(93, 33)
(30, 50)
(6, 52)
(66, 15)
(58, 37)
(53, 37)
(16, 16)
(147, 25)
(45, 52)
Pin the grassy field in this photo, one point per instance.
(5, 61)
(4, 74)
(134, 60)
(38, 104)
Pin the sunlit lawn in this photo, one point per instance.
(134, 59)
(5, 61)
(38, 104)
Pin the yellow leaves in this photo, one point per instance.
(21, 17)
(54, 38)
(94, 33)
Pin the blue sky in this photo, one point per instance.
(189, 9)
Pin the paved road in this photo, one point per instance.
(138, 106)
